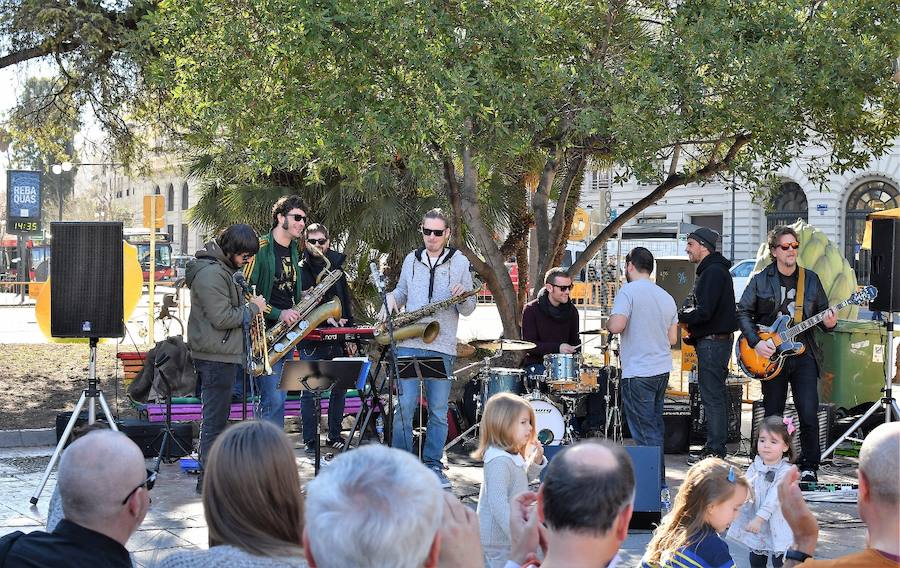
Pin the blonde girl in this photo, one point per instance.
(761, 526)
(511, 455)
(707, 502)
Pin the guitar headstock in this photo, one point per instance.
(864, 295)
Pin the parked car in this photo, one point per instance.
(740, 276)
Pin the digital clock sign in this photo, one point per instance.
(23, 201)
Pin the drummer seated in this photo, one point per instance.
(550, 321)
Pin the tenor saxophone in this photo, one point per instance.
(405, 324)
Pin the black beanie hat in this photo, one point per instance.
(706, 237)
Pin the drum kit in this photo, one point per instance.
(554, 394)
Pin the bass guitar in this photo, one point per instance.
(759, 367)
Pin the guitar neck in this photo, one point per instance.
(791, 332)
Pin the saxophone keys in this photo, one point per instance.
(278, 347)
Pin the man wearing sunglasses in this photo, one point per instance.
(771, 293)
(276, 273)
(312, 268)
(215, 335)
(550, 321)
(711, 322)
(432, 273)
(104, 488)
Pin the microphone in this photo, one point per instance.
(375, 276)
(239, 279)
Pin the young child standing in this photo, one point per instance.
(761, 526)
(707, 502)
(511, 455)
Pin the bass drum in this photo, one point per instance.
(549, 422)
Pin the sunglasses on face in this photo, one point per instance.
(317, 241)
(794, 246)
(151, 479)
(435, 232)
(296, 217)
(563, 288)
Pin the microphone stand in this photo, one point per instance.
(393, 373)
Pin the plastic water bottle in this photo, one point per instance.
(379, 428)
(665, 499)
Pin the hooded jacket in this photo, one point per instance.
(713, 296)
(217, 312)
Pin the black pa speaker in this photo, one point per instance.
(86, 291)
(885, 267)
(647, 486)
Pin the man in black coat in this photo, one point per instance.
(709, 314)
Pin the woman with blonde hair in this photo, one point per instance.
(252, 502)
(511, 455)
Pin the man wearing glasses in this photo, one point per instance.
(709, 316)
(104, 489)
(771, 293)
(313, 268)
(276, 273)
(432, 273)
(550, 321)
(215, 334)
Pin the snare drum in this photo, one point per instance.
(562, 367)
(502, 379)
(549, 422)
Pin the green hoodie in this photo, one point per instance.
(217, 313)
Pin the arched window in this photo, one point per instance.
(156, 190)
(870, 196)
(789, 205)
(170, 198)
(184, 195)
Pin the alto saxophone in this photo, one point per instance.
(282, 337)
(405, 326)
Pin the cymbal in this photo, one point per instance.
(464, 350)
(504, 344)
(594, 332)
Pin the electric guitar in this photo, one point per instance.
(759, 367)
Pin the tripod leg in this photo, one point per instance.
(107, 413)
(462, 436)
(59, 447)
(872, 410)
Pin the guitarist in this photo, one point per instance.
(769, 294)
(711, 323)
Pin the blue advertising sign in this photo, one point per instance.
(23, 201)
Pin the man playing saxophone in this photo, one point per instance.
(276, 273)
(432, 273)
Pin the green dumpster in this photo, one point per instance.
(854, 356)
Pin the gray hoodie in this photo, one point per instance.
(417, 277)
(217, 314)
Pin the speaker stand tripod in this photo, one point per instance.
(90, 395)
(887, 402)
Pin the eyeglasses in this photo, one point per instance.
(435, 232)
(317, 241)
(296, 217)
(246, 256)
(563, 288)
(151, 479)
(794, 246)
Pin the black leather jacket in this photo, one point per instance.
(761, 301)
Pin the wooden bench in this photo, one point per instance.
(132, 363)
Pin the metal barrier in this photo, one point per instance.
(19, 293)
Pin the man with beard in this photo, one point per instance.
(550, 321)
(318, 260)
(711, 322)
(646, 317)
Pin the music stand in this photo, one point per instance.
(320, 376)
(422, 369)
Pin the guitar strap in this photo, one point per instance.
(798, 306)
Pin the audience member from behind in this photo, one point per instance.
(879, 507)
(391, 508)
(55, 510)
(252, 502)
(707, 503)
(585, 502)
(511, 455)
(104, 488)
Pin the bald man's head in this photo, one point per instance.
(879, 462)
(96, 473)
(586, 487)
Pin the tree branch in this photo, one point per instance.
(29, 53)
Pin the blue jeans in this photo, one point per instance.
(217, 379)
(308, 416)
(712, 369)
(437, 392)
(642, 399)
(271, 400)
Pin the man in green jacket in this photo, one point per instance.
(276, 273)
(215, 334)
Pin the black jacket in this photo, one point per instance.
(713, 299)
(310, 268)
(761, 302)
